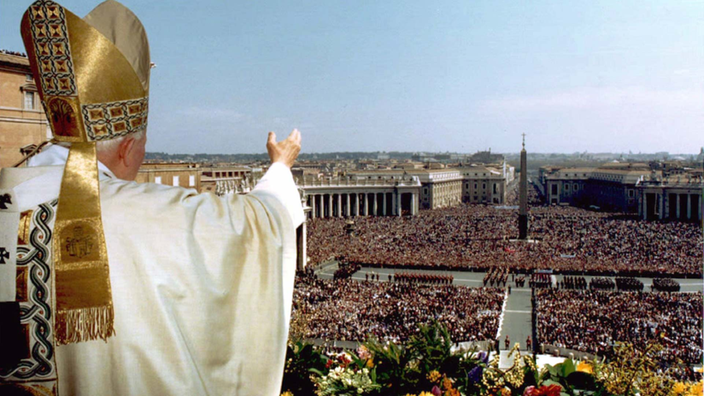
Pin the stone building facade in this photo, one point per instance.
(22, 119)
(446, 187)
(564, 186)
(170, 174)
(441, 188)
(609, 187)
(674, 197)
(485, 185)
(350, 196)
(230, 179)
(613, 186)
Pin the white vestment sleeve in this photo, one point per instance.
(278, 182)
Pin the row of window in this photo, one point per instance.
(567, 188)
(495, 187)
(176, 180)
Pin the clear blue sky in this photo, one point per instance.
(419, 75)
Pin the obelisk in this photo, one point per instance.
(523, 196)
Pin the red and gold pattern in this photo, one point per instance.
(109, 120)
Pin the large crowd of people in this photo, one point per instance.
(477, 237)
(350, 310)
(592, 321)
(573, 313)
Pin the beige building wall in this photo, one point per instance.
(182, 175)
(444, 194)
(22, 119)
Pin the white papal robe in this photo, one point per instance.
(201, 285)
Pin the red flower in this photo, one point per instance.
(550, 390)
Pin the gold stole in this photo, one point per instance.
(84, 309)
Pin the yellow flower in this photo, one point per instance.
(679, 388)
(287, 393)
(446, 383)
(585, 367)
(433, 376)
(409, 394)
(426, 394)
(505, 392)
(697, 389)
(370, 363)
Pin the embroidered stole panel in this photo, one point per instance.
(36, 372)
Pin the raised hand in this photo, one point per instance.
(285, 151)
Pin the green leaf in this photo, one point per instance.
(552, 370)
(316, 371)
(567, 367)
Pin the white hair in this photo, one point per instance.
(106, 146)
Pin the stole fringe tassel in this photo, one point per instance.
(84, 324)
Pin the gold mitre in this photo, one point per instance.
(93, 79)
(92, 74)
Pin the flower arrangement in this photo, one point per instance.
(346, 381)
(426, 366)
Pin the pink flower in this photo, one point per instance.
(530, 391)
(436, 391)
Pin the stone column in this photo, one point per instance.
(323, 206)
(349, 205)
(366, 204)
(414, 204)
(398, 204)
(383, 204)
(661, 201)
(678, 206)
(356, 204)
(643, 210)
(302, 246)
(330, 212)
(666, 205)
(339, 205)
(375, 207)
(312, 206)
(689, 206)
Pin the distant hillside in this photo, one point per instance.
(263, 156)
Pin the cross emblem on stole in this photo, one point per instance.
(4, 254)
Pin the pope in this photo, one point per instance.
(109, 287)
